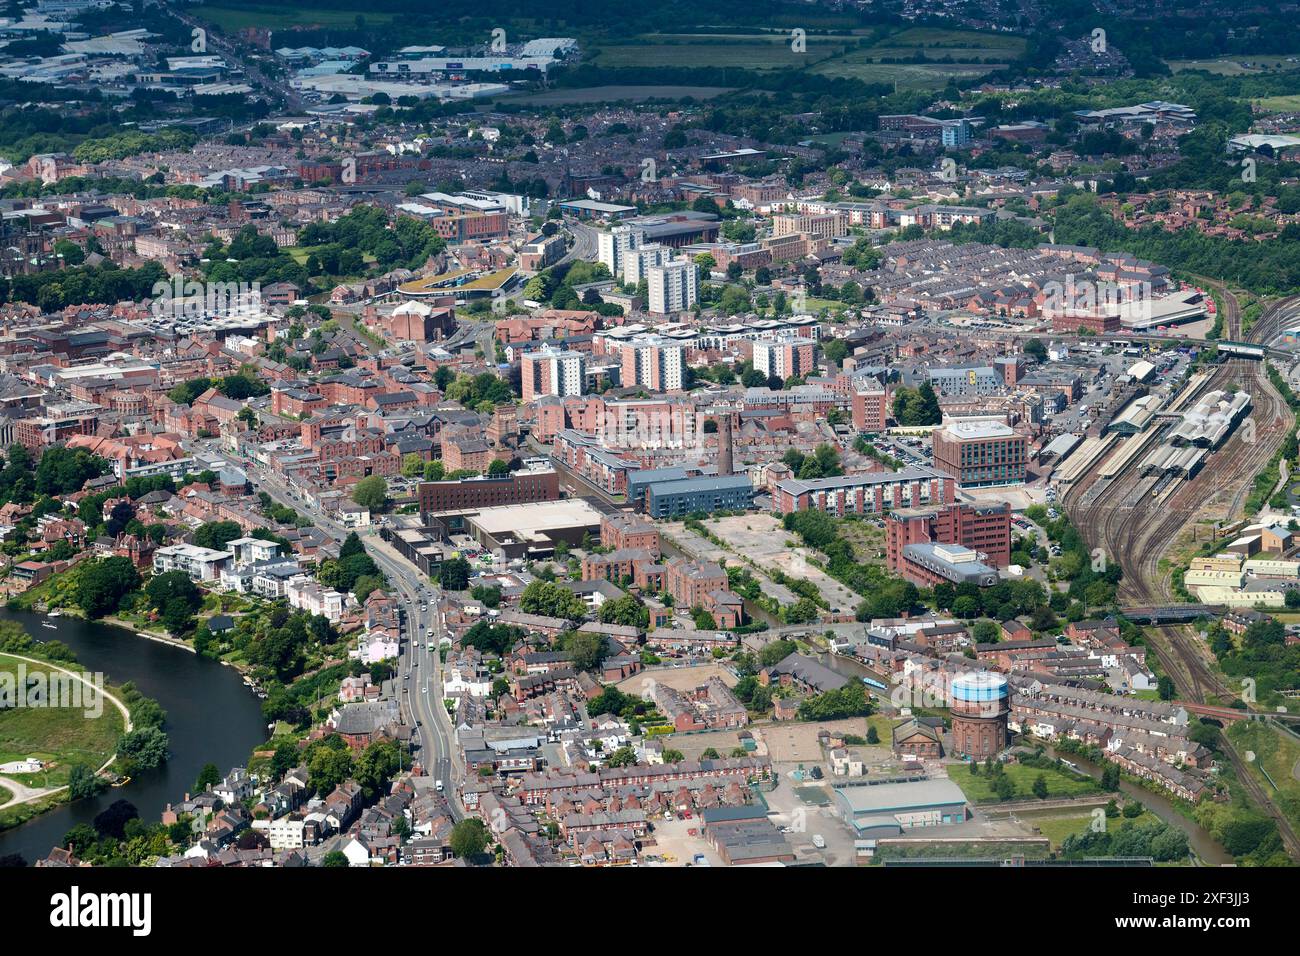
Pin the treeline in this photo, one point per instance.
(1271, 267)
(366, 231)
(107, 284)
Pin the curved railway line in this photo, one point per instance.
(1135, 526)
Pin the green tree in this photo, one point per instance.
(622, 757)
(453, 575)
(102, 585)
(628, 610)
(551, 600)
(143, 748)
(586, 650)
(208, 777)
(469, 838)
(371, 492)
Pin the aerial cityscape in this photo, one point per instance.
(851, 433)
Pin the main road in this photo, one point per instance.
(419, 667)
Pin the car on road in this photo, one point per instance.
(819, 841)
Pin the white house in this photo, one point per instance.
(307, 595)
(375, 650)
(357, 852)
(201, 564)
(286, 834)
(844, 764)
(462, 679)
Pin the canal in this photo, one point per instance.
(212, 717)
(1201, 842)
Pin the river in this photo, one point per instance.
(1201, 842)
(212, 717)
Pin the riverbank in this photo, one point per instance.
(160, 637)
(211, 715)
(59, 736)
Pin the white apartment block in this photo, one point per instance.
(637, 262)
(674, 286)
(286, 834)
(201, 564)
(249, 550)
(612, 246)
(307, 595)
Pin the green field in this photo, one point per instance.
(972, 54)
(1056, 827)
(838, 54)
(959, 44)
(1276, 764)
(614, 94)
(1238, 65)
(1280, 104)
(746, 52)
(279, 17)
(972, 849)
(979, 789)
(61, 736)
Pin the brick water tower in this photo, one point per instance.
(981, 705)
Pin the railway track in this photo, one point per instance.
(1136, 527)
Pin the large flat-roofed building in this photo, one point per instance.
(745, 835)
(984, 528)
(672, 499)
(981, 453)
(869, 493)
(201, 564)
(968, 380)
(931, 564)
(891, 807)
(519, 487)
(532, 530)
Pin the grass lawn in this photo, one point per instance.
(1057, 827)
(814, 304)
(614, 94)
(1280, 104)
(979, 789)
(1276, 764)
(884, 728)
(5, 796)
(61, 736)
